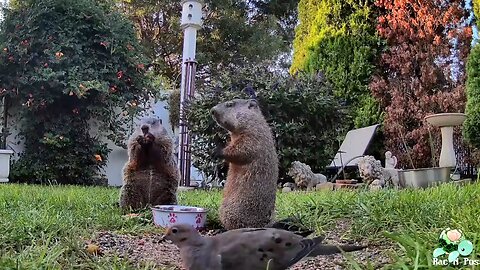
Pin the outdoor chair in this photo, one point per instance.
(353, 147)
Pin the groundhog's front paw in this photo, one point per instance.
(131, 168)
(141, 140)
(218, 152)
(149, 138)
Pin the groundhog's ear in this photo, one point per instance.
(252, 103)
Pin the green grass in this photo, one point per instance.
(44, 227)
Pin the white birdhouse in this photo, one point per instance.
(192, 13)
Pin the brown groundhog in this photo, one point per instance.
(150, 176)
(250, 189)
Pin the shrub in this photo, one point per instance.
(338, 38)
(67, 64)
(471, 127)
(304, 116)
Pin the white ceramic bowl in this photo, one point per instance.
(166, 215)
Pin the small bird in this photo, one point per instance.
(248, 248)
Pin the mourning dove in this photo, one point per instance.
(244, 249)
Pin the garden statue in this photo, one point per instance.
(304, 177)
(289, 186)
(371, 171)
(375, 176)
(390, 164)
(390, 161)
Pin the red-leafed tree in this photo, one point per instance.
(421, 72)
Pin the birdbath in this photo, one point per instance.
(446, 122)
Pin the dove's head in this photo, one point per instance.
(182, 234)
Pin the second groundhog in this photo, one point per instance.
(250, 189)
(150, 176)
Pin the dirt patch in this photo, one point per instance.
(375, 254)
(148, 249)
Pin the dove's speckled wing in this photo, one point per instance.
(262, 249)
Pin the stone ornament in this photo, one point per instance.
(304, 177)
(390, 160)
(375, 176)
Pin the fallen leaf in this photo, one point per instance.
(92, 249)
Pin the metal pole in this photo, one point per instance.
(191, 21)
(185, 137)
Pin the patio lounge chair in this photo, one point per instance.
(352, 149)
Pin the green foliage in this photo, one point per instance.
(338, 38)
(218, 47)
(471, 126)
(66, 64)
(369, 112)
(285, 11)
(301, 112)
(476, 8)
(233, 33)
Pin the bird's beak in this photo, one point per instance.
(164, 239)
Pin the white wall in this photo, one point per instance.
(117, 157)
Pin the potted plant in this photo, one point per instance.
(424, 177)
(4, 152)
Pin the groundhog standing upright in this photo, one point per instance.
(250, 188)
(150, 176)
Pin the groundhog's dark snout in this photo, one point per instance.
(145, 129)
